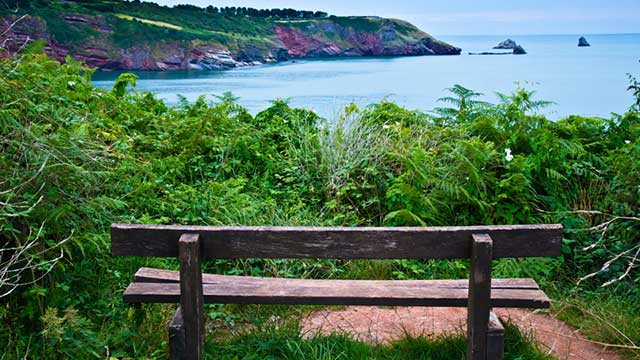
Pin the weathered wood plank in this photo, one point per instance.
(338, 243)
(495, 338)
(168, 276)
(191, 296)
(353, 294)
(479, 297)
(177, 339)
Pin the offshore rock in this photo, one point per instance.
(491, 53)
(582, 42)
(507, 44)
(519, 50)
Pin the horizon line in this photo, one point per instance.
(538, 34)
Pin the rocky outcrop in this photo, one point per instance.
(211, 59)
(519, 50)
(308, 42)
(279, 54)
(582, 42)
(250, 54)
(439, 47)
(507, 44)
(491, 53)
(318, 38)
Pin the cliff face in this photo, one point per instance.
(328, 38)
(103, 53)
(102, 41)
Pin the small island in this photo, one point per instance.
(582, 42)
(507, 44)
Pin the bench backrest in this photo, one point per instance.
(337, 242)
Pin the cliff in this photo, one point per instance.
(110, 35)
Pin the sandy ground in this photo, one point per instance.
(382, 324)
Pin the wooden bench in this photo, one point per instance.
(191, 289)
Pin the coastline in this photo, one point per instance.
(326, 84)
(293, 61)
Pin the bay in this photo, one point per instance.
(589, 81)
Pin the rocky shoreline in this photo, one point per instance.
(288, 41)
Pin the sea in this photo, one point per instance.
(588, 81)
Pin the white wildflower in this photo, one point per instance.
(71, 83)
(385, 126)
(509, 157)
(627, 141)
(397, 123)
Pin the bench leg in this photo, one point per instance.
(495, 338)
(177, 346)
(479, 297)
(191, 295)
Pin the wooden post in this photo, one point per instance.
(176, 336)
(191, 296)
(495, 338)
(479, 297)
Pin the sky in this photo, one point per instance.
(474, 17)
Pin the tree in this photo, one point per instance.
(187, 7)
(262, 13)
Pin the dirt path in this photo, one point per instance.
(380, 325)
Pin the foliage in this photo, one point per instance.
(276, 13)
(79, 158)
(121, 83)
(465, 106)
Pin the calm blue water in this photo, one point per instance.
(587, 81)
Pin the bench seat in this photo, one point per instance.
(193, 244)
(162, 286)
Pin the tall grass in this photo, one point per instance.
(286, 342)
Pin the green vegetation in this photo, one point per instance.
(196, 23)
(111, 5)
(265, 13)
(111, 25)
(76, 159)
(133, 23)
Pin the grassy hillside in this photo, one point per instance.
(76, 159)
(194, 21)
(137, 35)
(142, 22)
